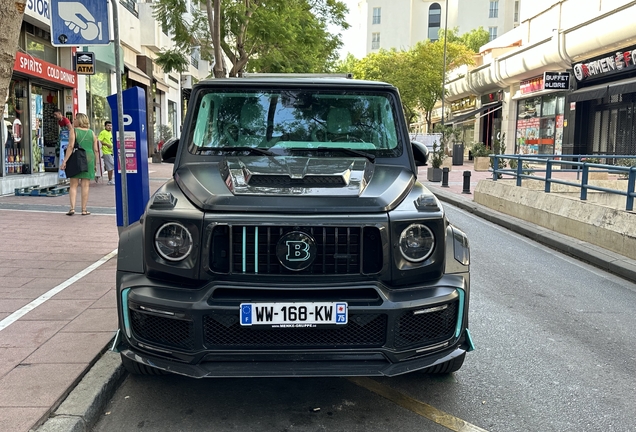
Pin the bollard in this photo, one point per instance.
(466, 182)
(445, 177)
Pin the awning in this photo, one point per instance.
(623, 86)
(161, 84)
(136, 74)
(469, 115)
(588, 93)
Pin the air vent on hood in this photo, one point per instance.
(287, 181)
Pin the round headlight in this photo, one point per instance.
(417, 242)
(173, 241)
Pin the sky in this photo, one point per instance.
(350, 37)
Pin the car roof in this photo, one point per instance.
(254, 81)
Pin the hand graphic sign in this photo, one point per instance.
(77, 18)
(79, 22)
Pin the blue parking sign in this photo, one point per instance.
(75, 23)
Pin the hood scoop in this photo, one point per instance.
(287, 181)
(296, 175)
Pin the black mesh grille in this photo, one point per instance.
(338, 250)
(163, 331)
(426, 328)
(363, 330)
(286, 181)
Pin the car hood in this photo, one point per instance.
(294, 184)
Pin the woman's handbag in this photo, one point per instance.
(77, 162)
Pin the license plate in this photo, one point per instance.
(308, 314)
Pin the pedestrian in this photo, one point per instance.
(106, 139)
(63, 122)
(88, 141)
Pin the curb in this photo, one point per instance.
(591, 254)
(83, 406)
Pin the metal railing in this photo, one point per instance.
(529, 166)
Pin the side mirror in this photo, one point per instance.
(420, 153)
(169, 150)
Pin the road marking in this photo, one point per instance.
(420, 408)
(47, 295)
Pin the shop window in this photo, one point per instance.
(17, 151)
(540, 125)
(41, 49)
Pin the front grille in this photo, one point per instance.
(339, 250)
(163, 331)
(432, 326)
(362, 331)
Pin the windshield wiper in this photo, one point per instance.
(256, 150)
(353, 152)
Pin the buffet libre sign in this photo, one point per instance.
(556, 80)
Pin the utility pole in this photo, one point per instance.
(444, 67)
(120, 118)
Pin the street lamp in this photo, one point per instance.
(444, 65)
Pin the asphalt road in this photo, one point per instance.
(554, 352)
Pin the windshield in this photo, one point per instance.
(287, 120)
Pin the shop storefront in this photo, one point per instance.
(605, 103)
(540, 118)
(36, 89)
(99, 86)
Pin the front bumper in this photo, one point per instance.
(197, 333)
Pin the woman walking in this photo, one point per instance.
(88, 141)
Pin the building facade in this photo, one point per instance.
(44, 80)
(565, 80)
(403, 23)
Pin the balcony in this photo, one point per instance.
(131, 6)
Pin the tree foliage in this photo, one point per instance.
(473, 39)
(12, 14)
(417, 73)
(258, 35)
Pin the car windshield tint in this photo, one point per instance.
(286, 120)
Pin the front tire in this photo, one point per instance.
(139, 368)
(447, 367)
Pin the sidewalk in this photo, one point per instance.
(49, 349)
(57, 297)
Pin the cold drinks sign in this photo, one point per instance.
(556, 81)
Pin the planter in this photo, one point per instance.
(482, 163)
(434, 174)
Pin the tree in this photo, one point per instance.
(255, 35)
(12, 13)
(417, 73)
(427, 58)
(473, 39)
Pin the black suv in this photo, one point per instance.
(293, 240)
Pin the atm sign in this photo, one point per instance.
(85, 63)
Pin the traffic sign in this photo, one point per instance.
(75, 23)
